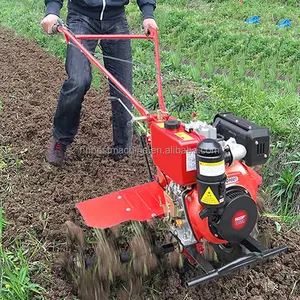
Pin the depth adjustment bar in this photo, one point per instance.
(259, 253)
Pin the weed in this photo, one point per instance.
(15, 271)
(283, 189)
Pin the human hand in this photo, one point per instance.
(48, 22)
(149, 24)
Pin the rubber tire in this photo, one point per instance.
(228, 254)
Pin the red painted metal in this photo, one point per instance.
(170, 152)
(200, 227)
(200, 248)
(237, 174)
(140, 203)
(152, 36)
(111, 36)
(188, 256)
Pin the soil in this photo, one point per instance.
(38, 199)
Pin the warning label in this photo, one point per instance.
(190, 161)
(209, 197)
(184, 136)
(161, 125)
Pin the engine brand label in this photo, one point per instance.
(209, 197)
(184, 136)
(232, 180)
(239, 220)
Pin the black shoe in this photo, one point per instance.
(56, 153)
(118, 154)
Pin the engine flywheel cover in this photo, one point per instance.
(239, 216)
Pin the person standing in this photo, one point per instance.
(94, 17)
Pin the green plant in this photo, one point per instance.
(284, 191)
(175, 58)
(15, 283)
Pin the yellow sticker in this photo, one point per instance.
(161, 125)
(209, 197)
(184, 136)
(211, 164)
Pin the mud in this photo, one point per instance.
(39, 199)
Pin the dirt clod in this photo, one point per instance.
(74, 235)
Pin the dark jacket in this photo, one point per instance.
(100, 9)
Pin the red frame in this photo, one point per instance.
(153, 35)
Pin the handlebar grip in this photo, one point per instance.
(55, 26)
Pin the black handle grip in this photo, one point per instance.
(57, 25)
(55, 28)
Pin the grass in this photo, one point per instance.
(16, 260)
(15, 278)
(283, 191)
(17, 263)
(15, 281)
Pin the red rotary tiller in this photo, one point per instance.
(204, 187)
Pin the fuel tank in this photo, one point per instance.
(174, 149)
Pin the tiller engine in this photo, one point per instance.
(204, 187)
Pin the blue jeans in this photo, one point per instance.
(73, 90)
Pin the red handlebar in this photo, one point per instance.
(152, 36)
